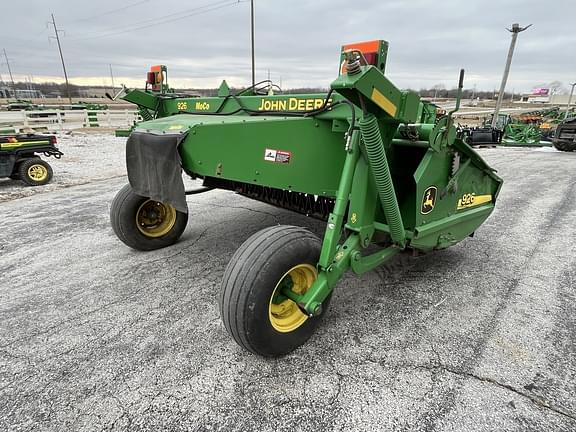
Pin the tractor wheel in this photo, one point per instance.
(15, 172)
(145, 224)
(255, 312)
(565, 146)
(35, 172)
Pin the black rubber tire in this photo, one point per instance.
(565, 146)
(15, 174)
(123, 220)
(26, 164)
(249, 282)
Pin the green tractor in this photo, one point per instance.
(20, 157)
(364, 157)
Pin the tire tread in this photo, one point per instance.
(26, 164)
(122, 219)
(252, 255)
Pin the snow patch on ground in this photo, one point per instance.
(547, 150)
(87, 158)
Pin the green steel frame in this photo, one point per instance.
(361, 144)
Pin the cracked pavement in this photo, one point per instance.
(479, 337)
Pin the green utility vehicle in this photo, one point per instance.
(20, 157)
(21, 105)
(357, 157)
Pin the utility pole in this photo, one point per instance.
(515, 30)
(8, 65)
(31, 81)
(10, 72)
(252, 41)
(112, 77)
(62, 58)
(569, 101)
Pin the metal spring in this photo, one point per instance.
(353, 66)
(378, 162)
(145, 114)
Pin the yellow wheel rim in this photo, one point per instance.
(155, 219)
(284, 314)
(37, 172)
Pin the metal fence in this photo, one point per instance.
(60, 120)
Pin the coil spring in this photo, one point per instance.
(353, 65)
(145, 114)
(379, 164)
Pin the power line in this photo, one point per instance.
(104, 34)
(162, 20)
(110, 12)
(29, 39)
(87, 35)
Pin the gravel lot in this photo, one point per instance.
(86, 158)
(95, 336)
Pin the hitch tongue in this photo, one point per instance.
(122, 92)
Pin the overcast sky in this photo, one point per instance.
(205, 41)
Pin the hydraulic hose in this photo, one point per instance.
(378, 162)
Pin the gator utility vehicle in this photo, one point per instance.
(356, 157)
(21, 105)
(20, 157)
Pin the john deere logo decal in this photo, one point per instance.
(428, 200)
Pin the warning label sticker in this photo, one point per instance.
(278, 156)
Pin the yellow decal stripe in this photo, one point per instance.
(384, 103)
(21, 143)
(475, 201)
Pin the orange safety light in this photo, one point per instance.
(373, 52)
(155, 77)
(370, 50)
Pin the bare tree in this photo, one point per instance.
(556, 87)
(438, 87)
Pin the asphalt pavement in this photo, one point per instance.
(479, 337)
